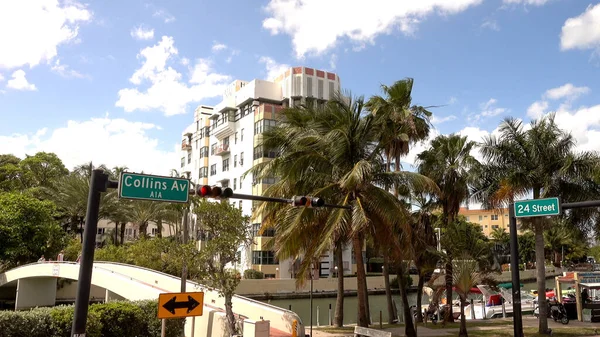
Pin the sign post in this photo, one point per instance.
(156, 188)
(524, 209)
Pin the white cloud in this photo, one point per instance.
(141, 33)
(526, 2)
(568, 91)
(489, 108)
(19, 82)
(166, 91)
(490, 24)
(274, 69)
(113, 142)
(33, 30)
(537, 109)
(1, 78)
(359, 23)
(440, 120)
(333, 61)
(163, 14)
(452, 100)
(583, 31)
(218, 47)
(64, 71)
(185, 61)
(230, 57)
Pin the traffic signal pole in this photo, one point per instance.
(98, 184)
(281, 200)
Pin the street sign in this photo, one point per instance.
(149, 187)
(537, 207)
(174, 305)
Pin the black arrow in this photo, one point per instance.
(172, 304)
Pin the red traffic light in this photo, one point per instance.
(307, 201)
(299, 201)
(214, 192)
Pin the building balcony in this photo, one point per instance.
(185, 146)
(222, 128)
(222, 150)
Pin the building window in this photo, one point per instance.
(261, 152)
(241, 158)
(204, 151)
(481, 218)
(268, 181)
(182, 161)
(196, 144)
(495, 226)
(225, 142)
(225, 183)
(331, 90)
(242, 135)
(203, 172)
(101, 231)
(225, 164)
(467, 218)
(494, 216)
(213, 169)
(319, 88)
(264, 257)
(213, 147)
(297, 86)
(297, 102)
(240, 204)
(236, 137)
(197, 125)
(264, 125)
(241, 182)
(234, 183)
(154, 231)
(309, 91)
(235, 160)
(189, 157)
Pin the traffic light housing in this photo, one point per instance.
(207, 191)
(298, 201)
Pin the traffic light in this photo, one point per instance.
(214, 192)
(307, 201)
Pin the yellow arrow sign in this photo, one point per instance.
(174, 305)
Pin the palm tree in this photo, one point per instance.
(449, 163)
(500, 235)
(333, 153)
(466, 275)
(144, 211)
(399, 125)
(540, 160)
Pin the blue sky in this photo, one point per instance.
(117, 82)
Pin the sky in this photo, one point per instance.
(116, 82)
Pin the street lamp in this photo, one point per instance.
(336, 272)
(277, 272)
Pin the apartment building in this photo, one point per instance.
(223, 144)
(488, 219)
(106, 229)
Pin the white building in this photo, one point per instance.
(221, 145)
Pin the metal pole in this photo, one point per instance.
(98, 184)
(311, 301)
(516, 282)
(330, 321)
(193, 325)
(318, 314)
(184, 241)
(163, 328)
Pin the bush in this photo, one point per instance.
(113, 319)
(395, 285)
(253, 274)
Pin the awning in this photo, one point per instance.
(590, 285)
(507, 285)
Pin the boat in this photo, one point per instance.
(493, 302)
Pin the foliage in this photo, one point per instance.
(526, 247)
(394, 284)
(42, 169)
(10, 173)
(27, 229)
(225, 229)
(113, 319)
(72, 249)
(253, 274)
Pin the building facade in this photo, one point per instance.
(223, 144)
(488, 219)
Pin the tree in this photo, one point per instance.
(43, 169)
(466, 274)
(10, 173)
(500, 235)
(27, 229)
(449, 163)
(399, 126)
(332, 152)
(226, 229)
(540, 160)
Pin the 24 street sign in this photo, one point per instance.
(174, 305)
(537, 207)
(157, 188)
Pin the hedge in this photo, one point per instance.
(253, 274)
(113, 319)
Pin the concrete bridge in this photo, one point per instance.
(36, 285)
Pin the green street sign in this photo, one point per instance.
(149, 187)
(537, 207)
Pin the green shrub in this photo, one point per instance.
(113, 319)
(173, 328)
(253, 274)
(395, 285)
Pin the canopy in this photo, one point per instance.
(507, 285)
(472, 290)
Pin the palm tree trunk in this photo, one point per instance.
(420, 285)
(541, 276)
(388, 290)
(116, 233)
(409, 328)
(122, 232)
(339, 302)
(463, 322)
(159, 228)
(449, 317)
(361, 280)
